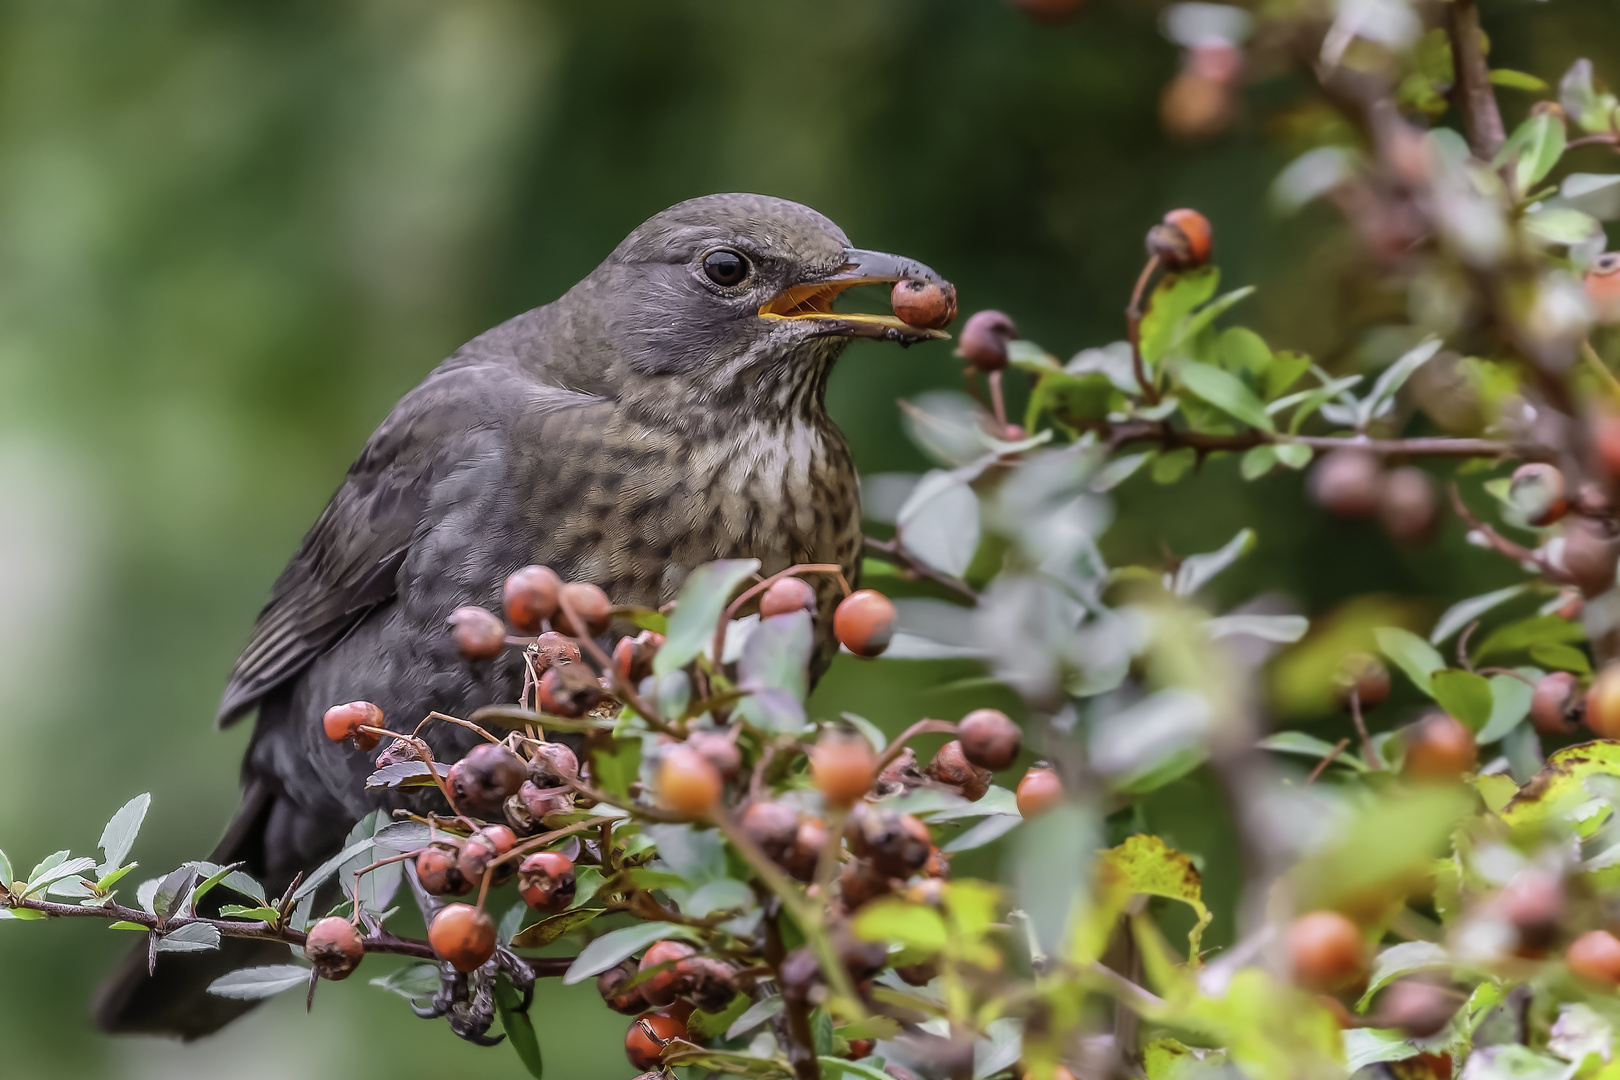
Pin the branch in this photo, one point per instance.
(1133, 330)
(921, 727)
(1472, 94)
(1503, 546)
(1157, 431)
(891, 551)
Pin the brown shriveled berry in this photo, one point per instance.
(952, 768)
(864, 622)
(539, 801)
(989, 738)
(1556, 704)
(1184, 240)
(592, 605)
(928, 304)
(342, 722)
(1039, 790)
(1534, 903)
(463, 936)
(482, 781)
(1595, 957)
(861, 958)
(1538, 491)
(662, 987)
(645, 1041)
(552, 764)
(1603, 288)
(546, 881)
(478, 634)
(480, 849)
(552, 649)
(1364, 674)
(1326, 951)
(1590, 555)
(1603, 703)
(333, 948)
(897, 845)
(530, 598)
(556, 698)
(1418, 1008)
(720, 751)
(1439, 748)
(687, 783)
(1406, 505)
(773, 827)
(843, 767)
(1347, 483)
(787, 595)
(859, 882)
(808, 842)
(610, 984)
(436, 870)
(936, 865)
(709, 984)
(918, 974)
(984, 340)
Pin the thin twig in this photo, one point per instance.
(621, 687)
(1161, 433)
(1133, 330)
(921, 727)
(1327, 759)
(1367, 749)
(891, 551)
(1472, 94)
(1503, 546)
(719, 646)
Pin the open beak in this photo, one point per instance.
(813, 300)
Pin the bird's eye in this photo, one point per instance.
(726, 268)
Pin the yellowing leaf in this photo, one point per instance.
(1148, 866)
(915, 926)
(1558, 796)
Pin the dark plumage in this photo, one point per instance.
(651, 419)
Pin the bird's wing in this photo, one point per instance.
(348, 562)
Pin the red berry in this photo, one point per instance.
(553, 764)
(1406, 505)
(1366, 675)
(482, 781)
(482, 848)
(344, 722)
(1539, 492)
(553, 649)
(843, 767)
(546, 881)
(1595, 957)
(555, 697)
(1534, 902)
(786, 595)
(861, 1048)
(952, 768)
(592, 605)
(645, 1041)
(687, 783)
(478, 634)
(1039, 790)
(864, 622)
(1184, 240)
(530, 598)
(1603, 288)
(1347, 483)
(662, 987)
(1326, 951)
(1554, 703)
(1603, 703)
(1606, 440)
(610, 985)
(989, 738)
(436, 870)
(928, 304)
(463, 936)
(1439, 748)
(334, 948)
(984, 340)
(1418, 1008)
(539, 801)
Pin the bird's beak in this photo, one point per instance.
(812, 300)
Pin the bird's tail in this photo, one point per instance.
(173, 998)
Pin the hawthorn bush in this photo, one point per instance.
(768, 893)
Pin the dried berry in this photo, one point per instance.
(552, 764)
(1439, 748)
(897, 845)
(859, 882)
(645, 1041)
(1556, 704)
(610, 984)
(662, 987)
(1595, 957)
(1603, 288)
(546, 881)
(1603, 703)
(1347, 483)
(342, 722)
(333, 948)
(1364, 674)
(1539, 493)
(984, 340)
(928, 304)
(1590, 555)
(480, 849)
(1039, 790)
(1326, 951)
(687, 783)
(482, 781)
(436, 870)
(1406, 505)
(989, 738)
(530, 598)
(918, 974)
(773, 827)
(1184, 240)
(808, 842)
(478, 634)
(590, 603)
(864, 622)
(787, 595)
(539, 801)
(567, 691)
(633, 657)
(708, 983)
(1417, 1007)
(553, 649)
(843, 767)
(952, 768)
(463, 936)
(720, 751)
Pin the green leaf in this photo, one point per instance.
(871, 731)
(1534, 148)
(615, 945)
(554, 927)
(1196, 571)
(1117, 471)
(251, 984)
(616, 766)
(1149, 867)
(1197, 323)
(1464, 612)
(1287, 368)
(1519, 637)
(118, 837)
(991, 827)
(832, 1067)
(253, 914)
(1175, 297)
(413, 982)
(1518, 80)
(1403, 959)
(1172, 465)
(1073, 398)
(1411, 654)
(776, 656)
(760, 1011)
(1258, 461)
(1562, 226)
(1465, 695)
(192, 937)
(519, 1028)
(1561, 657)
(1226, 392)
(892, 920)
(5, 870)
(1241, 349)
(1294, 455)
(1372, 1046)
(1510, 705)
(698, 607)
(1297, 742)
(121, 924)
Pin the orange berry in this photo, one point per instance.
(843, 767)
(1184, 240)
(1326, 951)
(984, 340)
(1603, 703)
(594, 608)
(610, 984)
(785, 595)
(928, 304)
(1039, 790)
(344, 722)
(951, 767)
(478, 634)
(334, 948)
(661, 988)
(463, 935)
(864, 622)
(436, 870)
(1439, 747)
(1603, 288)
(989, 738)
(1366, 675)
(530, 598)
(645, 1041)
(546, 881)
(688, 783)
(1595, 957)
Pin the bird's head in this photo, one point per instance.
(733, 294)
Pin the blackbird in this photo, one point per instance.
(666, 411)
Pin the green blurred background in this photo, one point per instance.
(232, 234)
